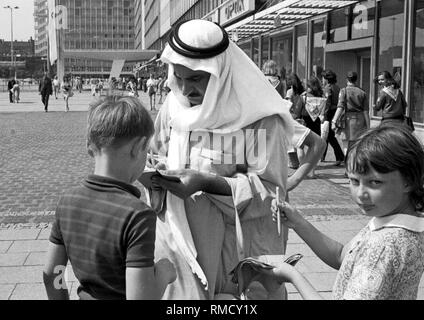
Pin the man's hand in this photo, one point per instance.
(191, 181)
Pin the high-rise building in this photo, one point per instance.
(94, 25)
(41, 30)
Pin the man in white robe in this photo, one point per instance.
(224, 131)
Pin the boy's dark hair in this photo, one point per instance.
(114, 120)
(387, 149)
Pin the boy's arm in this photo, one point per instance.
(149, 283)
(54, 273)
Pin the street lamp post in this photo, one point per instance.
(11, 36)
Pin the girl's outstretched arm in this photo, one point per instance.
(327, 249)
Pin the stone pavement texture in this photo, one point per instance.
(43, 154)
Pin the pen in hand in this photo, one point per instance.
(152, 160)
(277, 198)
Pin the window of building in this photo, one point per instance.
(391, 35)
(302, 50)
(318, 48)
(417, 99)
(256, 50)
(363, 15)
(245, 47)
(265, 50)
(282, 53)
(338, 25)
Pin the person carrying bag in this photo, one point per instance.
(352, 115)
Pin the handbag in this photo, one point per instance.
(409, 123)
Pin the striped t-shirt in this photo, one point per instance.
(105, 228)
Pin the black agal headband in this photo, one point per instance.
(197, 53)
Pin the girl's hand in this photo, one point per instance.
(290, 217)
(191, 181)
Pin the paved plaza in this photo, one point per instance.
(43, 154)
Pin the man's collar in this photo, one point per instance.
(405, 221)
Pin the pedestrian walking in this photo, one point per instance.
(384, 260)
(309, 109)
(293, 94)
(391, 100)
(102, 226)
(10, 85)
(56, 86)
(331, 93)
(353, 102)
(161, 82)
(270, 70)
(217, 94)
(132, 87)
(16, 90)
(151, 91)
(46, 90)
(67, 91)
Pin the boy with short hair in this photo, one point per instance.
(102, 227)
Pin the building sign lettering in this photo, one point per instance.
(230, 11)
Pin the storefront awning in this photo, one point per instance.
(283, 14)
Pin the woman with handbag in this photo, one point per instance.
(307, 100)
(67, 91)
(391, 101)
(356, 119)
(293, 94)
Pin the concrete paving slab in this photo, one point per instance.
(5, 245)
(36, 259)
(23, 274)
(44, 234)
(33, 291)
(29, 246)
(322, 281)
(12, 259)
(23, 234)
(6, 291)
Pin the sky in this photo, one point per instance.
(23, 20)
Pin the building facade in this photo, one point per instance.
(41, 28)
(308, 36)
(94, 25)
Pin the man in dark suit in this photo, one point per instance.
(46, 90)
(10, 85)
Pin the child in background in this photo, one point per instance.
(103, 227)
(386, 259)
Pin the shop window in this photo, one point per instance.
(417, 101)
(246, 48)
(282, 53)
(302, 51)
(338, 25)
(265, 50)
(318, 48)
(363, 19)
(256, 51)
(391, 35)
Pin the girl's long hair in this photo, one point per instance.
(315, 86)
(294, 82)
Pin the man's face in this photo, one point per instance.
(192, 84)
